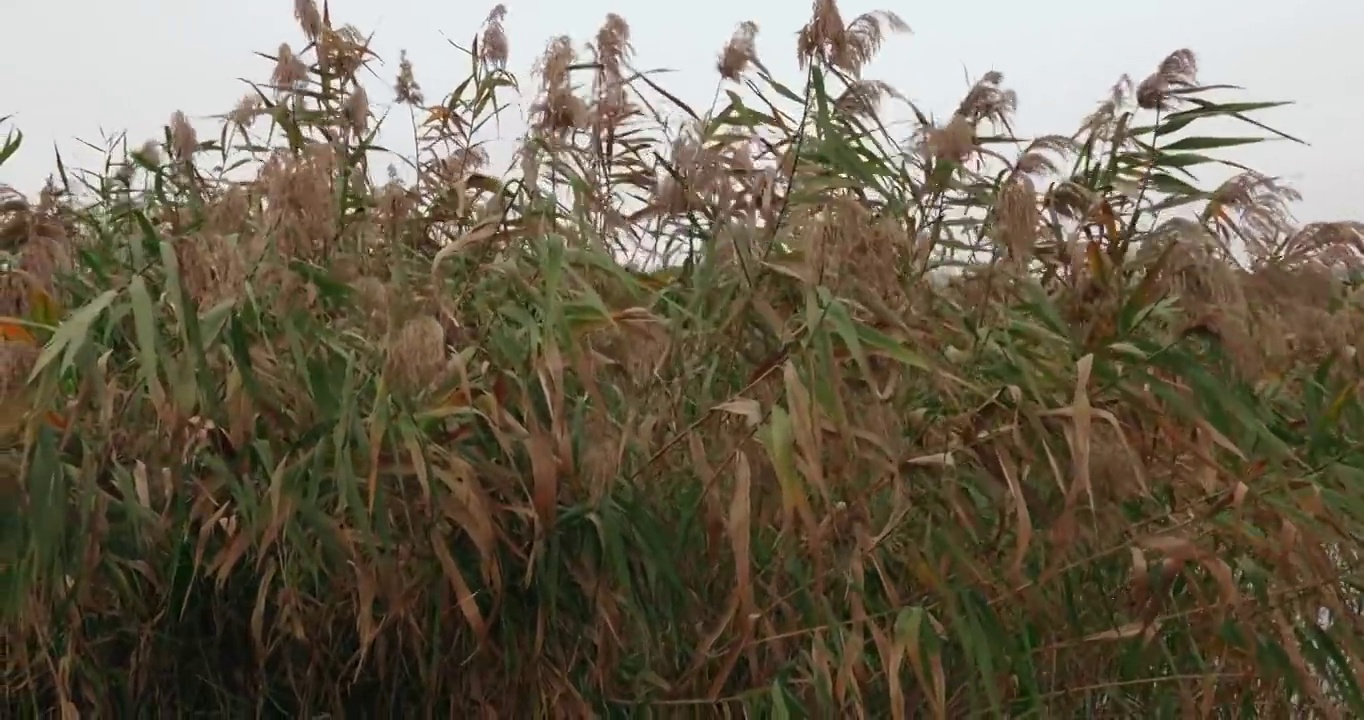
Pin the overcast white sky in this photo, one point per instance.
(79, 67)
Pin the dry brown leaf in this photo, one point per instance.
(1226, 582)
(418, 458)
(1311, 685)
(468, 604)
(545, 472)
(741, 532)
(258, 610)
(140, 486)
(1130, 630)
(746, 408)
(468, 505)
(1175, 547)
(1137, 467)
(892, 655)
(803, 424)
(366, 589)
(1082, 418)
(1140, 582)
(1024, 530)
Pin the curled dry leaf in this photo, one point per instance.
(747, 408)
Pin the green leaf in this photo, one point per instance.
(12, 143)
(144, 323)
(72, 334)
(1209, 143)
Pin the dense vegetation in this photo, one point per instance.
(955, 425)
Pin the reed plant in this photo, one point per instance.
(761, 409)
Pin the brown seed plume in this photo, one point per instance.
(825, 39)
(290, 71)
(184, 140)
(611, 102)
(740, 52)
(244, 114)
(1177, 71)
(212, 268)
(16, 362)
(1017, 216)
(16, 292)
(1255, 208)
(298, 201)
(558, 109)
(988, 100)
(417, 356)
(406, 89)
(493, 48)
(308, 17)
(46, 258)
(955, 141)
(862, 97)
(1103, 120)
(1037, 158)
(356, 110)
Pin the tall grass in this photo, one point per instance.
(954, 425)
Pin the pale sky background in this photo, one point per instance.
(76, 68)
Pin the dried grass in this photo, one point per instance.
(908, 426)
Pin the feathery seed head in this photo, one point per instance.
(212, 268)
(528, 159)
(298, 200)
(290, 71)
(1103, 121)
(231, 211)
(16, 362)
(1034, 162)
(827, 40)
(987, 100)
(1017, 216)
(395, 204)
(822, 35)
(552, 67)
(1333, 244)
(696, 173)
(493, 48)
(356, 110)
(955, 141)
(1180, 66)
(309, 19)
(863, 97)
(45, 259)
(149, 153)
(417, 355)
(461, 161)
(184, 141)
(406, 88)
(1071, 200)
(739, 52)
(1177, 71)
(613, 44)
(371, 294)
(1260, 205)
(16, 291)
(125, 173)
(342, 52)
(611, 103)
(863, 38)
(611, 106)
(244, 114)
(1036, 158)
(559, 109)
